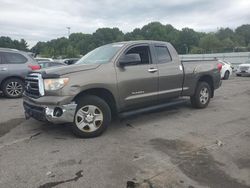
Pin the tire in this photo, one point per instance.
(13, 88)
(226, 75)
(202, 95)
(92, 117)
(238, 74)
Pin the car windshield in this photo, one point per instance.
(100, 55)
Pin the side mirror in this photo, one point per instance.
(129, 59)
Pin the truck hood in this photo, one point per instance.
(69, 69)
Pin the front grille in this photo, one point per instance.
(244, 68)
(34, 85)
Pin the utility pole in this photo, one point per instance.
(68, 31)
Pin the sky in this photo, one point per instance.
(43, 20)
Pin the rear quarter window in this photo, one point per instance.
(163, 54)
(14, 58)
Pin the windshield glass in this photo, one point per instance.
(100, 55)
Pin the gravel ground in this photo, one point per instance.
(176, 147)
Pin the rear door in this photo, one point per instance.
(138, 84)
(170, 71)
(16, 64)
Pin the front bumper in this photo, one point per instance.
(50, 113)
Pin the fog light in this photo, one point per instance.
(57, 112)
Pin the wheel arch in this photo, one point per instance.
(208, 79)
(10, 77)
(104, 94)
(227, 71)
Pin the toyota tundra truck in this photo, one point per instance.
(118, 80)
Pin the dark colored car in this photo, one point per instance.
(14, 66)
(70, 61)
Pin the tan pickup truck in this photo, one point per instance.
(118, 79)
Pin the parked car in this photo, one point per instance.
(70, 61)
(41, 59)
(14, 66)
(227, 69)
(46, 64)
(118, 79)
(243, 69)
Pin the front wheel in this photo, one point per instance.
(202, 95)
(13, 88)
(92, 117)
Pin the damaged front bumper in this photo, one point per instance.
(50, 113)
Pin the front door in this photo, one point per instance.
(138, 83)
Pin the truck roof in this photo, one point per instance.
(139, 42)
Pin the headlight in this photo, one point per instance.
(55, 83)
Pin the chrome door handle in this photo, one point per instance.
(3, 69)
(152, 70)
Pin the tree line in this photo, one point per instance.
(7, 42)
(185, 40)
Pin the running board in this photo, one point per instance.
(153, 108)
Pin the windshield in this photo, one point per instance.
(100, 55)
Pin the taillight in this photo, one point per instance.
(34, 67)
(219, 66)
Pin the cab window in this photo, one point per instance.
(163, 54)
(144, 53)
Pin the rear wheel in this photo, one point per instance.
(13, 88)
(202, 95)
(226, 75)
(92, 117)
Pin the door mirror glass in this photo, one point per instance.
(130, 59)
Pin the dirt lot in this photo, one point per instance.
(176, 147)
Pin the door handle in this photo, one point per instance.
(152, 70)
(3, 69)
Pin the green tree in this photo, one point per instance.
(23, 45)
(7, 42)
(185, 41)
(188, 38)
(244, 32)
(136, 34)
(107, 35)
(71, 52)
(210, 43)
(154, 31)
(196, 50)
(225, 33)
(227, 45)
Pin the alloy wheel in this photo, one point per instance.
(89, 118)
(204, 95)
(14, 89)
